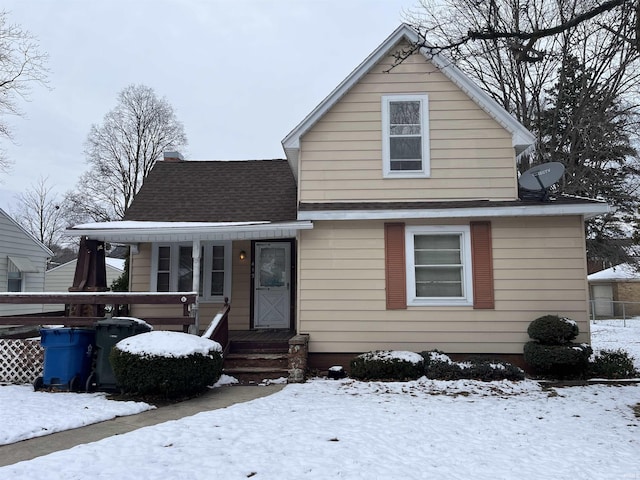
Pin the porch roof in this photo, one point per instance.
(129, 231)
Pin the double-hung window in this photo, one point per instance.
(438, 265)
(172, 269)
(405, 135)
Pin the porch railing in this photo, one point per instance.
(116, 299)
(218, 329)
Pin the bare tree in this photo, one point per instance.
(21, 65)
(523, 25)
(41, 211)
(121, 152)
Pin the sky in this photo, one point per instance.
(326, 429)
(240, 74)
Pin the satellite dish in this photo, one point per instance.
(538, 179)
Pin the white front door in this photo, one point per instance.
(602, 300)
(272, 285)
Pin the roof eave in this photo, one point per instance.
(586, 210)
(142, 234)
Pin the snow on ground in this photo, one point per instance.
(366, 430)
(27, 414)
(612, 334)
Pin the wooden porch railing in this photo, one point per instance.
(116, 299)
(218, 329)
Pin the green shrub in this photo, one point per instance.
(612, 364)
(387, 365)
(493, 370)
(439, 366)
(553, 330)
(569, 360)
(165, 374)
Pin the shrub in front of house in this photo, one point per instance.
(166, 364)
(553, 330)
(439, 366)
(551, 353)
(561, 361)
(387, 365)
(613, 364)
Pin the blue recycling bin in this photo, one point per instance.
(68, 358)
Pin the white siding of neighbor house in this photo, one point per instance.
(539, 268)
(60, 278)
(14, 241)
(471, 154)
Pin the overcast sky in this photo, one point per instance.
(240, 74)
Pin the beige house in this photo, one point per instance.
(394, 223)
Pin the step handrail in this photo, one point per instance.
(218, 329)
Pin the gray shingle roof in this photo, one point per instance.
(216, 191)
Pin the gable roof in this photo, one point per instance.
(216, 191)
(521, 137)
(26, 233)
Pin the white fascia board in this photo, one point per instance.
(521, 138)
(588, 211)
(184, 232)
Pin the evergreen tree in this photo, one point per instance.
(585, 128)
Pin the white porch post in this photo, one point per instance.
(196, 284)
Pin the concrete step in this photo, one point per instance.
(252, 375)
(258, 360)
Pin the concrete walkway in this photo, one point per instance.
(216, 398)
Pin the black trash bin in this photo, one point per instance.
(110, 331)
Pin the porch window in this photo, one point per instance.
(438, 265)
(405, 135)
(172, 269)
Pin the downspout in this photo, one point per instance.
(195, 251)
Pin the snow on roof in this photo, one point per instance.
(624, 271)
(124, 224)
(168, 344)
(115, 262)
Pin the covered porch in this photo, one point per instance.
(252, 265)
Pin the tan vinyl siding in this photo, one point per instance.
(471, 154)
(240, 291)
(539, 268)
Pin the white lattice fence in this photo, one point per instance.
(20, 360)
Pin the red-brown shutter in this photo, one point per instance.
(482, 262)
(395, 266)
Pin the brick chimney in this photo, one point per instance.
(173, 157)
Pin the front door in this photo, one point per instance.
(272, 285)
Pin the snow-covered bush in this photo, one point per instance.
(553, 330)
(612, 364)
(387, 365)
(439, 366)
(168, 364)
(562, 361)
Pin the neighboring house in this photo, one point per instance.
(615, 292)
(23, 261)
(394, 223)
(60, 278)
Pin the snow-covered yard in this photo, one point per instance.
(346, 429)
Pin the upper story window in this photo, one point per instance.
(405, 135)
(438, 265)
(172, 269)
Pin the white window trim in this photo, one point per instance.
(22, 282)
(465, 251)
(207, 262)
(425, 172)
